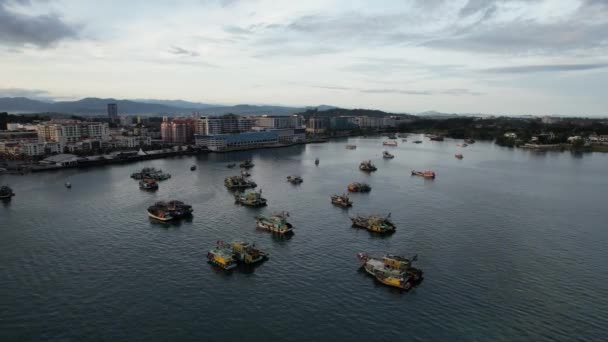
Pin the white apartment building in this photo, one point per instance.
(71, 131)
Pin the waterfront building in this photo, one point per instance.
(317, 125)
(225, 124)
(279, 121)
(177, 131)
(41, 148)
(72, 131)
(342, 123)
(239, 141)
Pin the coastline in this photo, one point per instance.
(86, 163)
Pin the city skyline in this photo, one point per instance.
(500, 57)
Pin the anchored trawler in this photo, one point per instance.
(341, 200)
(238, 182)
(167, 211)
(359, 187)
(251, 199)
(6, 192)
(151, 173)
(425, 174)
(392, 270)
(247, 164)
(247, 253)
(276, 223)
(367, 166)
(148, 184)
(374, 223)
(222, 256)
(160, 213)
(294, 179)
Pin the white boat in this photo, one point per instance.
(389, 143)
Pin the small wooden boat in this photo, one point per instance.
(193, 168)
(458, 156)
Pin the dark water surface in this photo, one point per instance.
(512, 242)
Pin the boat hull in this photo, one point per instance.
(159, 218)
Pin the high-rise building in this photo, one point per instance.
(317, 125)
(177, 131)
(113, 112)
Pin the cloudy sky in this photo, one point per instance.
(469, 56)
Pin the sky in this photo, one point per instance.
(515, 57)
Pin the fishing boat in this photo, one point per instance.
(458, 156)
(159, 213)
(238, 182)
(6, 192)
(351, 147)
(148, 184)
(387, 155)
(178, 209)
(374, 223)
(222, 256)
(231, 165)
(425, 174)
(389, 143)
(417, 142)
(462, 145)
(247, 164)
(436, 137)
(317, 161)
(245, 173)
(469, 141)
(341, 200)
(277, 223)
(251, 199)
(247, 253)
(68, 185)
(367, 166)
(193, 168)
(359, 187)
(151, 173)
(392, 270)
(294, 179)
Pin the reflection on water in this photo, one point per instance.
(495, 234)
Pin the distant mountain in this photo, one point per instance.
(96, 106)
(179, 103)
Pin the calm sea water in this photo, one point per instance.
(512, 242)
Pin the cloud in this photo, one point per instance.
(37, 94)
(525, 69)
(453, 92)
(176, 50)
(18, 29)
(396, 91)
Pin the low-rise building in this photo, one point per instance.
(241, 141)
(63, 159)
